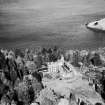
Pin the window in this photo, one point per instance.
(96, 23)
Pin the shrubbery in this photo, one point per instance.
(28, 89)
(47, 97)
(48, 76)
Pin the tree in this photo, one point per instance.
(37, 87)
(76, 58)
(98, 103)
(96, 61)
(18, 52)
(38, 61)
(3, 89)
(67, 56)
(47, 102)
(38, 76)
(22, 90)
(25, 91)
(2, 61)
(28, 89)
(47, 97)
(72, 99)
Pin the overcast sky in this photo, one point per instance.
(80, 5)
(40, 18)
